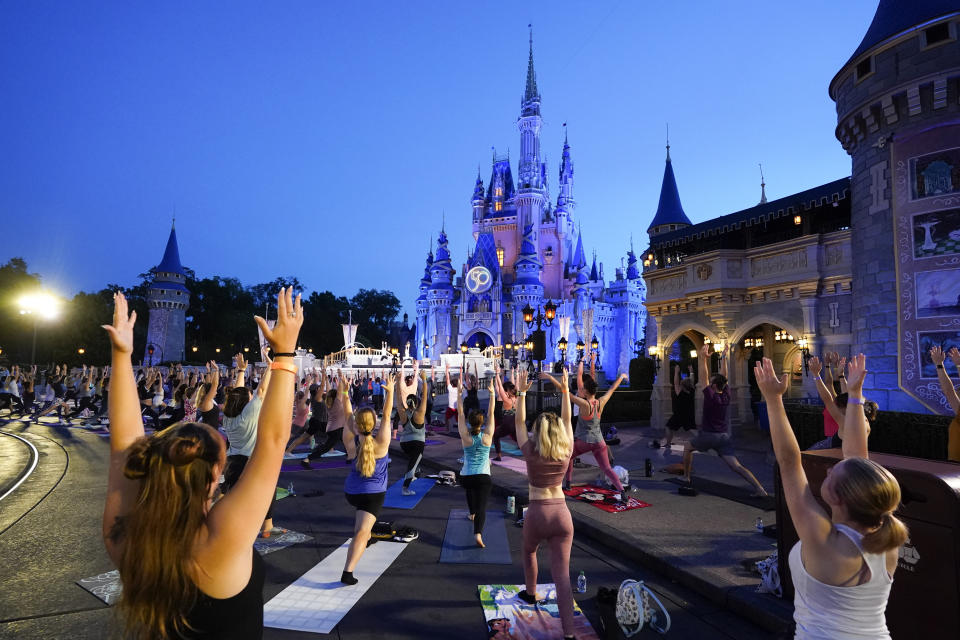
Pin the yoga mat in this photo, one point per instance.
(430, 443)
(317, 601)
(333, 453)
(730, 492)
(107, 586)
(314, 466)
(604, 499)
(396, 500)
(504, 611)
(514, 464)
(509, 446)
(459, 547)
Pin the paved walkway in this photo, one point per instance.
(701, 542)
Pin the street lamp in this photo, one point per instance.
(654, 352)
(39, 305)
(81, 351)
(804, 346)
(194, 348)
(394, 351)
(580, 348)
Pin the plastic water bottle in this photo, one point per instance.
(290, 490)
(582, 583)
(511, 504)
(759, 524)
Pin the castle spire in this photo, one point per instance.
(668, 142)
(669, 210)
(171, 255)
(531, 92)
(763, 188)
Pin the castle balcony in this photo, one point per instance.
(478, 317)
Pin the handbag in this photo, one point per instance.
(635, 607)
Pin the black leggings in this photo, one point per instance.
(231, 474)
(86, 402)
(478, 490)
(330, 438)
(413, 449)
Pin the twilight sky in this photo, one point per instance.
(326, 139)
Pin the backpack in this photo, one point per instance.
(635, 607)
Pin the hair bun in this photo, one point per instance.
(182, 451)
(138, 459)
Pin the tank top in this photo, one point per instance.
(376, 483)
(412, 431)
(211, 417)
(588, 428)
(826, 612)
(300, 417)
(476, 458)
(543, 473)
(189, 410)
(237, 618)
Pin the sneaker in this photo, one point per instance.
(305, 464)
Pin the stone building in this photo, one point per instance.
(167, 299)
(869, 263)
(528, 251)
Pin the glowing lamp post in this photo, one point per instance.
(39, 305)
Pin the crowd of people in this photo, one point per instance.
(186, 502)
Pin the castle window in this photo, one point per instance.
(498, 192)
(864, 68)
(497, 206)
(500, 255)
(936, 34)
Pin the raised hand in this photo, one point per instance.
(283, 336)
(241, 363)
(523, 385)
(770, 386)
(705, 351)
(815, 366)
(121, 331)
(388, 383)
(490, 385)
(954, 354)
(856, 370)
(937, 355)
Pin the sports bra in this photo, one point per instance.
(236, 618)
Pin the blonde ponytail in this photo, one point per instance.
(891, 535)
(366, 462)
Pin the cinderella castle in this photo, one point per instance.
(528, 253)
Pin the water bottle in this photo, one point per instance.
(582, 583)
(290, 490)
(648, 468)
(759, 524)
(511, 504)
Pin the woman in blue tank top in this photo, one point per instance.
(475, 474)
(366, 483)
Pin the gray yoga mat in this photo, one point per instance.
(459, 546)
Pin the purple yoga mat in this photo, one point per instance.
(326, 464)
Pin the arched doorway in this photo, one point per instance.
(768, 338)
(480, 339)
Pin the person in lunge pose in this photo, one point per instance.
(714, 430)
(842, 567)
(548, 520)
(453, 394)
(684, 415)
(507, 425)
(589, 437)
(366, 484)
(188, 566)
(950, 393)
(475, 473)
(411, 416)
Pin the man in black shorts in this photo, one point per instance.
(714, 429)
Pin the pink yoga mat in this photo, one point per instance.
(514, 464)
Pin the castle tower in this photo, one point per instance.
(167, 299)
(670, 215)
(528, 287)
(421, 348)
(566, 205)
(531, 194)
(477, 200)
(897, 117)
(440, 300)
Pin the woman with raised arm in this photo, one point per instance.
(684, 415)
(548, 520)
(471, 401)
(953, 399)
(411, 414)
(452, 396)
(475, 473)
(188, 566)
(507, 424)
(589, 437)
(842, 567)
(366, 484)
(207, 408)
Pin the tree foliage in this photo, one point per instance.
(220, 315)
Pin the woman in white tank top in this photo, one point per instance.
(843, 565)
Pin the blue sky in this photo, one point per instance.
(325, 140)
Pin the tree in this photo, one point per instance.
(16, 331)
(374, 310)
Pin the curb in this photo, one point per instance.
(763, 610)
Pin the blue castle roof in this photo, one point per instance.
(669, 211)
(893, 17)
(485, 255)
(171, 256)
(579, 259)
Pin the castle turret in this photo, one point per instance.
(423, 307)
(440, 299)
(897, 117)
(167, 299)
(670, 215)
(531, 195)
(477, 200)
(566, 205)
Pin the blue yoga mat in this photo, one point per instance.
(510, 447)
(396, 500)
(459, 546)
